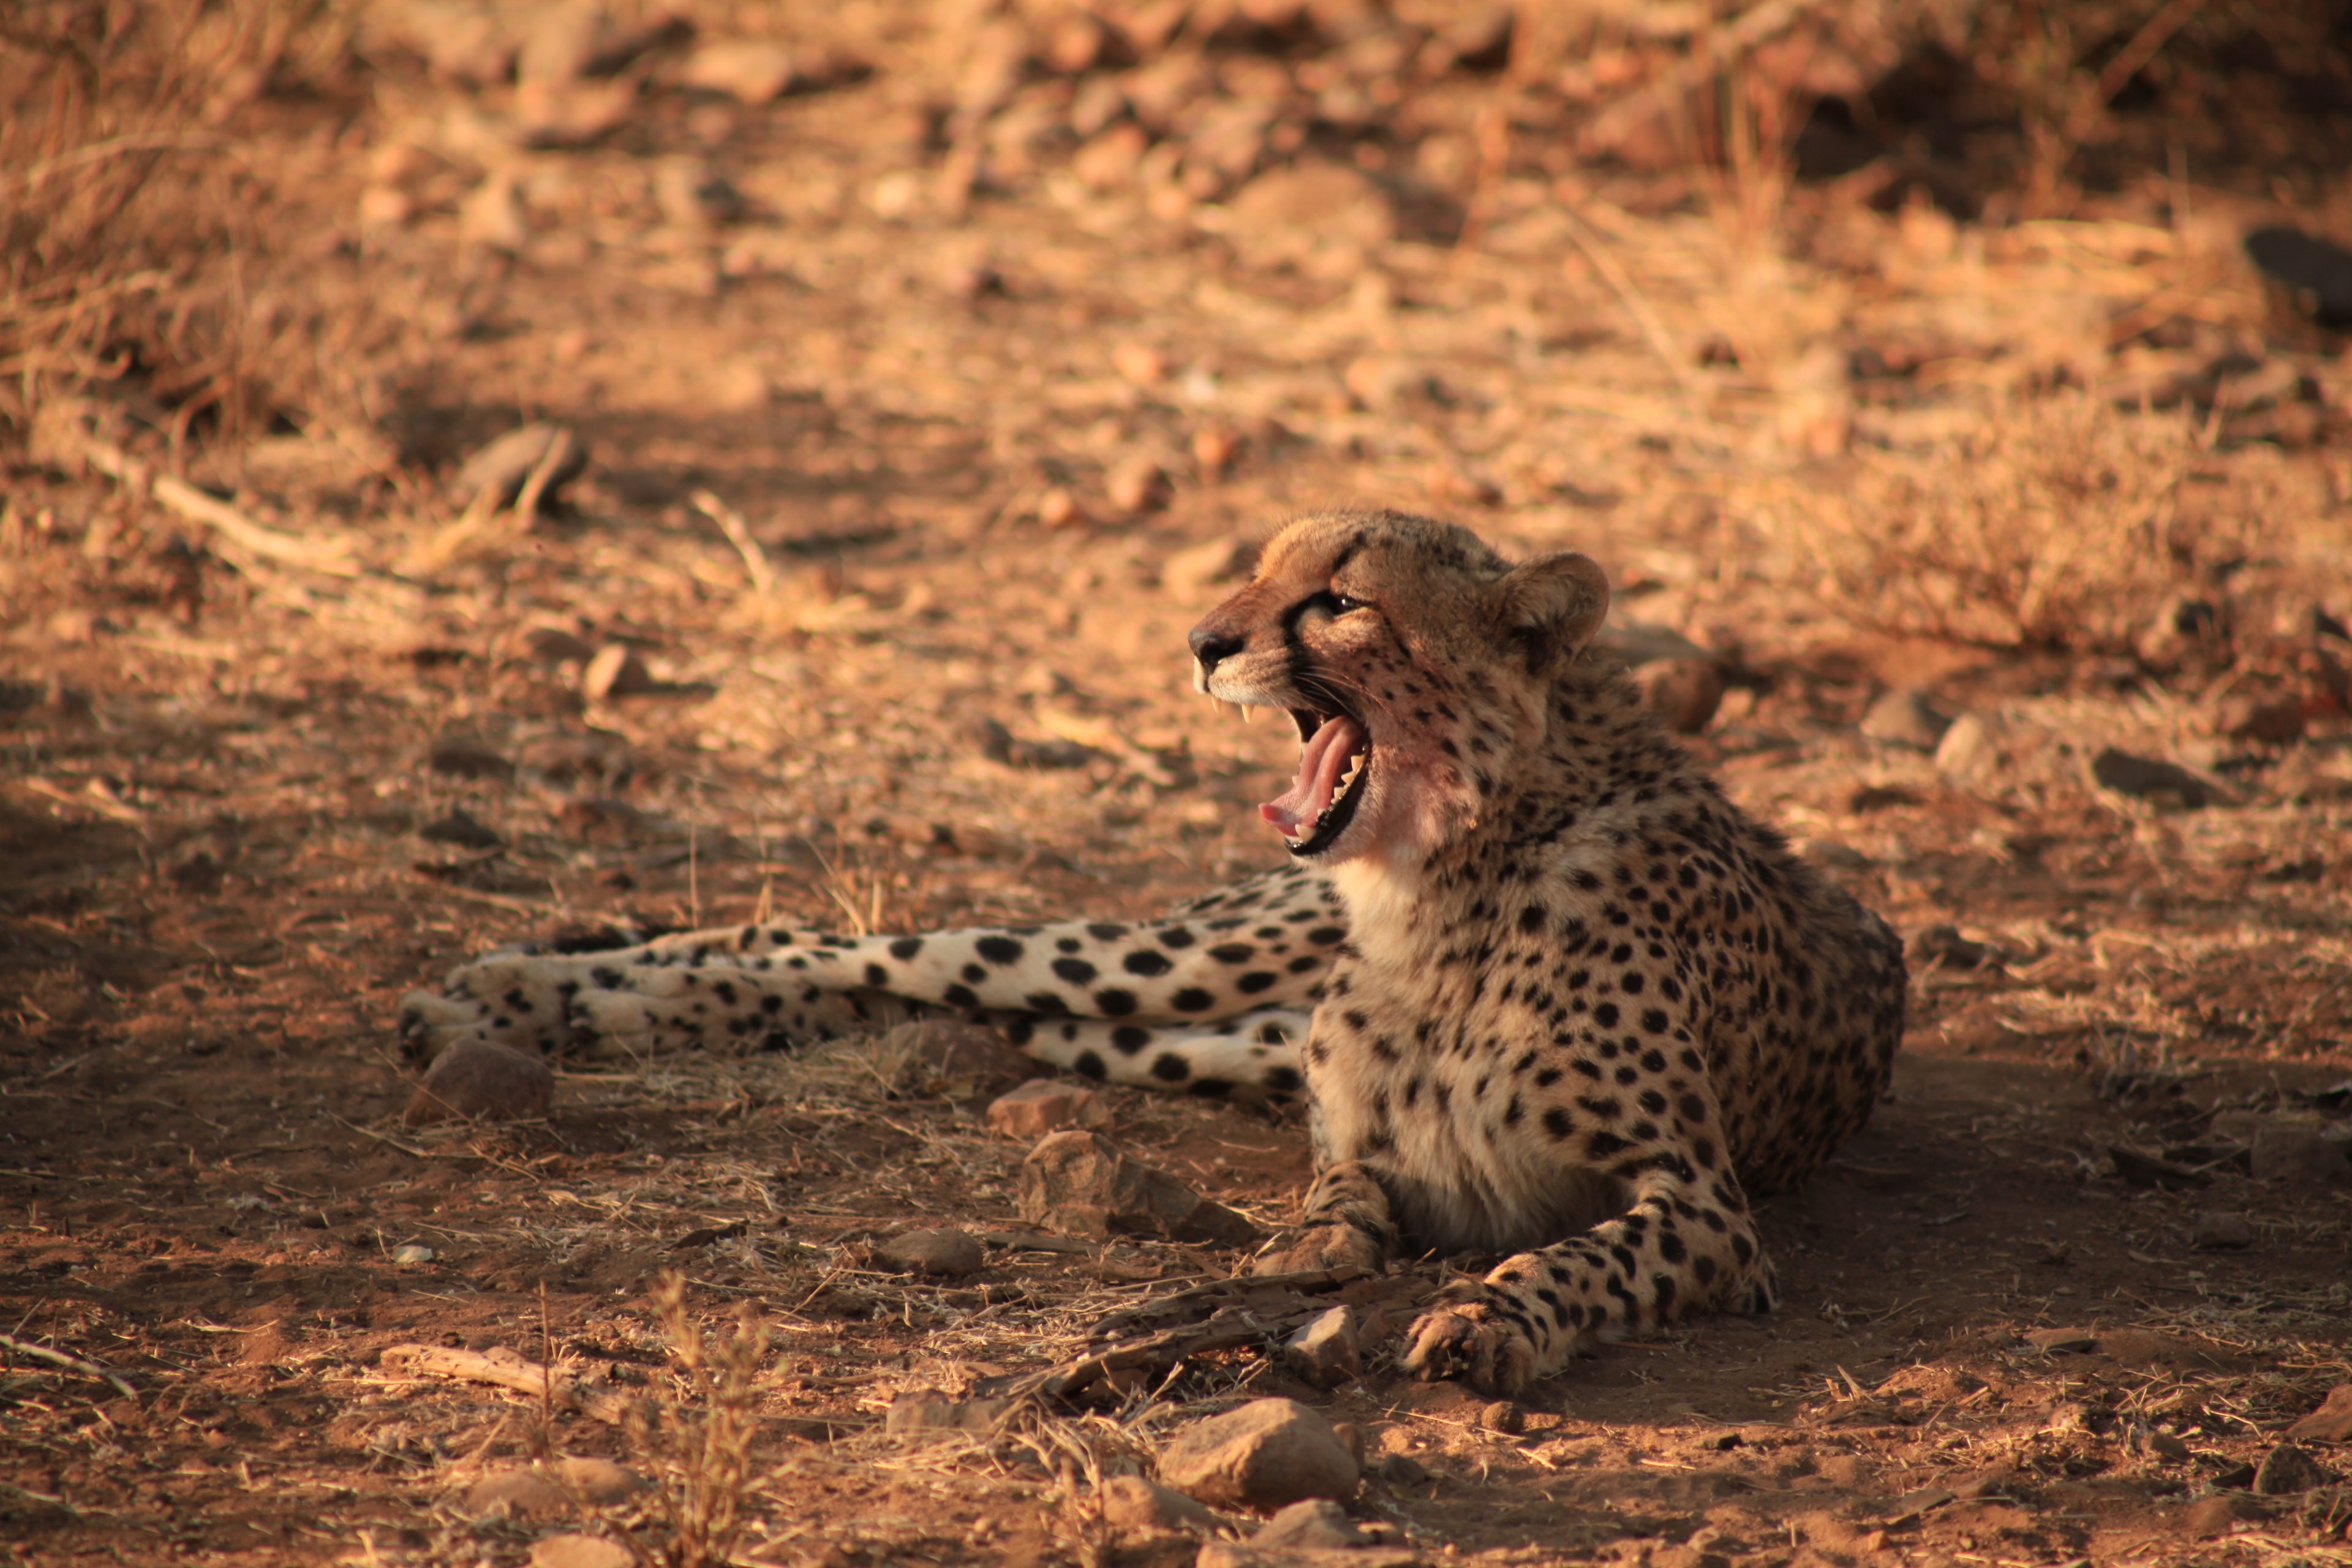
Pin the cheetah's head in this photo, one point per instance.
(1416, 663)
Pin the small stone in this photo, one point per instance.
(525, 1494)
(2300, 1155)
(1403, 1470)
(381, 207)
(1077, 1183)
(2332, 1422)
(1138, 485)
(493, 215)
(505, 465)
(2211, 1516)
(600, 1483)
(460, 828)
(1326, 1351)
(944, 1251)
(580, 1552)
(2158, 783)
(464, 754)
(2080, 1341)
(1131, 1502)
(615, 671)
(1214, 447)
(1057, 507)
(1316, 1524)
(1139, 364)
(1263, 1456)
(554, 645)
(1505, 1417)
(411, 1254)
(750, 71)
(1190, 573)
(1109, 162)
(1970, 751)
(1906, 719)
(1044, 1105)
(480, 1081)
(2217, 1231)
(951, 1049)
(2287, 1470)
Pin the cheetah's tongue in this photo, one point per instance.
(1321, 762)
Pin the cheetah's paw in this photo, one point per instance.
(1472, 1340)
(1322, 1247)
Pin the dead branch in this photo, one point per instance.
(508, 1369)
(69, 1364)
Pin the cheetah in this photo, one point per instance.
(1544, 990)
(1585, 1006)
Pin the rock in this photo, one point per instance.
(1109, 161)
(479, 1080)
(1136, 486)
(2286, 1470)
(1403, 1470)
(615, 671)
(2300, 1155)
(924, 1410)
(1316, 1524)
(1131, 1502)
(599, 1482)
(1325, 1352)
(460, 828)
(467, 755)
(750, 70)
(1044, 1105)
(944, 1251)
(2211, 1516)
(580, 1552)
(1263, 1456)
(2332, 1422)
(1057, 507)
(1503, 1416)
(1970, 751)
(971, 1053)
(1287, 213)
(1215, 448)
(1140, 363)
(2216, 1231)
(1683, 692)
(504, 464)
(1077, 1183)
(412, 1254)
(2081, 1342)
(1906, 719)
(2158, 783)
(554, 645)
(525, 1494)
(1192, 574)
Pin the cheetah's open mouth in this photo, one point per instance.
(1333, 759)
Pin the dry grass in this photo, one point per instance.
(2058, 525)
(700, 1446)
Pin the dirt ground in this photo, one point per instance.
(917, 399)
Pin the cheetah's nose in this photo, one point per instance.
(1212, 648)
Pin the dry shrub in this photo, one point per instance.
(2059, 524)
(699, 1447)
(129, 253)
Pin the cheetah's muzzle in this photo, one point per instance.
(1335, 757)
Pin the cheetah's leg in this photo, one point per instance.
(1347, 1223)
(1686, 1241)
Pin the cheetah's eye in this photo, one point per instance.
(1341, 604)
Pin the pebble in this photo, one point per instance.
(1215, 448)
(480, 1081)
(1139, 364)
(506, 464)
(412, 1253)
(944, 1251)
(2217, 1231)
(1057, 507)
(2332, 1422)
(1077, 1183)
(461, 828)
(1109, 162)
(750, 71)
(1906, 719)
(1505, 1417)
(464, 754)
(1138, 485)
(2287, 1470)
(1131, 1502)
(1316, 1524)
(523, 1493)
(1325, 1350)
(1403, 1470)
(2082, 1341)
(1265, 1454)
(2150, 779)
(1045, 1105)
(1302, 207)
(1970, 751)
(2210, 1516)
(599, 1482)
(2298, 1154)
(580, 1552)
(615, 671)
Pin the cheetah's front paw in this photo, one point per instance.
(1322, 1247)
(1472, 1340)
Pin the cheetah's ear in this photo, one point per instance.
(1548, 608)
